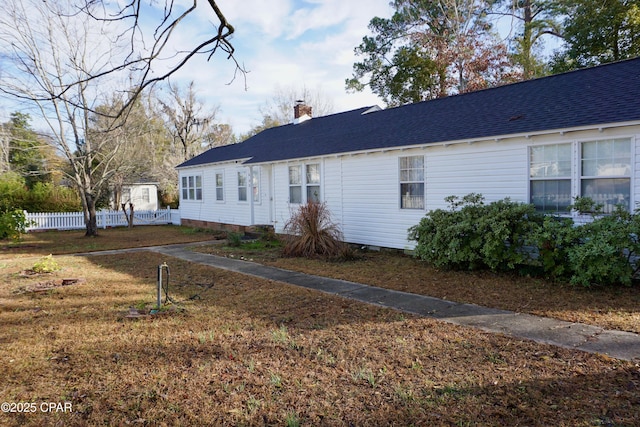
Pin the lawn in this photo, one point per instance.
(236, 350)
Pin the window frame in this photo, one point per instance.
(551, 178)
(191, 187)
(577, 167)
(402, 203)
(219, 186)
(608, 208)
(305, 184)
(240, 187)
(255, 185)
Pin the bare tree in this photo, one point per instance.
(4, 148)
(49, 49)
(188, 120)
(278, 110)
(145, 33)
(280, 106)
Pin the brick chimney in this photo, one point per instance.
(300, 109)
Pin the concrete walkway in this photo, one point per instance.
(578, 336)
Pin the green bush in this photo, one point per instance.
(12, 191)
(505, 235)
(13, 223)
(42, 197)
(234, 239)
(554, 239)
(46, 197)
(609, 245)
(471, 235)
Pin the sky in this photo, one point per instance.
(284, 44)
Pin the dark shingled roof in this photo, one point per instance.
(595, 96)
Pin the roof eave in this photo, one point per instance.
(495, 138)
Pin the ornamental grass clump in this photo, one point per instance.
(311, 233)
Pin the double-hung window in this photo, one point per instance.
(304, 187)
(295, 184)
(600, 170)
(313, 182)
(550, 177)
(192, 187)
(242, 186)
(219, 187)
(412, 180)
(255, 185)
(606, 172)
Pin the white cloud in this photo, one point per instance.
(286, 43)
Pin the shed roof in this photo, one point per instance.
(602, 95)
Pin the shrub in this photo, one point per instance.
(13, 223)
(234, 239)
(312, 233)
(470, 235)
(46, 265)
(554, 239)
(607, 251)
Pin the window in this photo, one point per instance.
(145, 195)
(219, 187)
(255, 185)
(550, 177)
(295, 184)
(192, 187)
(304, 187)
(126, 195)
(606, 172)
(313, 182)
(242, 186)
(412, 182)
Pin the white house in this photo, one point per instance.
(543, 141)
(143, 196)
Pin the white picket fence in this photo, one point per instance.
(105, 218)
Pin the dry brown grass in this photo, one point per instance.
(237, 350)
(611, 308)
(70, 242)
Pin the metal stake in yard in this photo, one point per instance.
(161, 267)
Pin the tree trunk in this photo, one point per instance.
(90, 217)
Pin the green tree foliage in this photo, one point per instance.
(42, 197)
(598, 32)
(28, 154)
(429, 49)
(12, 191)
(13, 223)
(534, 20)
